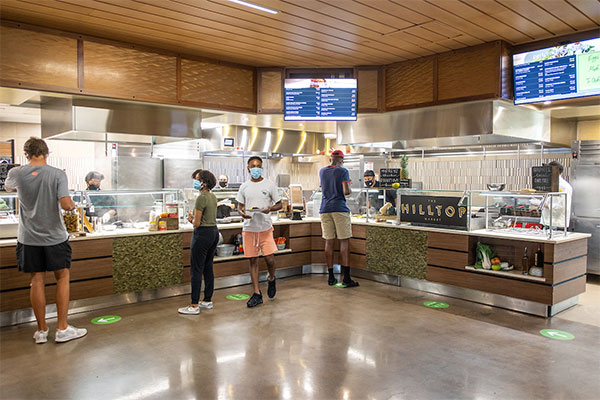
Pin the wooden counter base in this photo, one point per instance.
(442, 259)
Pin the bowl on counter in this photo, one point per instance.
(496, 187)
(225, 250)
(281, 246)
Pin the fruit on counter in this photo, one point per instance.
(496, 267)
(495, 260)
(395, 185)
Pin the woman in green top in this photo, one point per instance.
(204, 242)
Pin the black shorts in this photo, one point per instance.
(43, 258)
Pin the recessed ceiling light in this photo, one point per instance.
(255, 6)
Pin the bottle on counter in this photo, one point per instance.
(537, 269)
(525, 263)
(539, 257)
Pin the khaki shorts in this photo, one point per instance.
(336, 225)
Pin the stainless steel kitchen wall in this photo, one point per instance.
(178, 173)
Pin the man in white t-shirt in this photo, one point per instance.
(257, 198)
(559, 209)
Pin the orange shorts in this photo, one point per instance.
(263, 241)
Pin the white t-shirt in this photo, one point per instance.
(558, 206)
(259, 195)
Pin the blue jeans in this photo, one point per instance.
(203, 249)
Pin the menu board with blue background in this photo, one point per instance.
(561, 72)
(320, 100)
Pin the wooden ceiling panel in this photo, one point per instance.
(590, 9)
(533, 12)
(311, 33)
(564, 11)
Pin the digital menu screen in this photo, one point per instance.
(320, 100)
(561, 72)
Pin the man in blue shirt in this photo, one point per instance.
(335, 215)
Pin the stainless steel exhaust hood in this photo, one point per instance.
(463, 124)
(100, 120)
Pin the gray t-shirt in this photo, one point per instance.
(39, 188)
(258, 195)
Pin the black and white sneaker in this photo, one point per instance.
(272, 289)
(255, 300)
(350, 283)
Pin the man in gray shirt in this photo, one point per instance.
(42, 242)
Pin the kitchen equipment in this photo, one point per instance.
(496, 187)
(225, 250)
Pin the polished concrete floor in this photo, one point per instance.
(312, 342)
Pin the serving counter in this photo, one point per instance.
(116, 267)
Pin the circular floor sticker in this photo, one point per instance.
(436, 304)
(106, 319)
(237, 296)
(339, 284)
(556, 334)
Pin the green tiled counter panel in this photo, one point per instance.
(147, 262)
(397, 252)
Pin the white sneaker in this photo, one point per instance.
(69, 334)
(41, 336)
(189, 310)
(206, 304)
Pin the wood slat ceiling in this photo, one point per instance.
(311, 33)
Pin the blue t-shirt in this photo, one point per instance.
(333, 190)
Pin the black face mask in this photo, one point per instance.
(222, 184)
(369, 183)
(94, 187)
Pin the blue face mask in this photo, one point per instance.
(255, 172)
(197, 184)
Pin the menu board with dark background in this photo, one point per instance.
(389, 176)
(320, 100)
(4, 168)
(561, 72)
(544, 178)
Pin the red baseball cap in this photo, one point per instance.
(337, 153)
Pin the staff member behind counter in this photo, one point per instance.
(102, 205)
(224, 207)
(374, 200)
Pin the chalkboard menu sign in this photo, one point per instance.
(389, 176)
(4, 168)
(433, 211)
(545, 178)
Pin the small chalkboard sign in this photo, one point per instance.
(544, 178)
(405, 183)
(4, 168)
(389, 176)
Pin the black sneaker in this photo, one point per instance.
(350, 283)
(331, 281)
(255, 300)
(272, 289)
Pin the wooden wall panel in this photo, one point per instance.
(297, 230)
(270, 90)
(470, 72)
(448, 258)
(557, 273)
(8, 256)
(34, 58)
(540, 293)
(409, 83)
(368, 89)
(218, 85)
(448, 241)
(91, 248)
(127, 72)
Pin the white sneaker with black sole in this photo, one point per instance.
(206, 304)
(41, 336)
(189, 310)
(70, 333)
